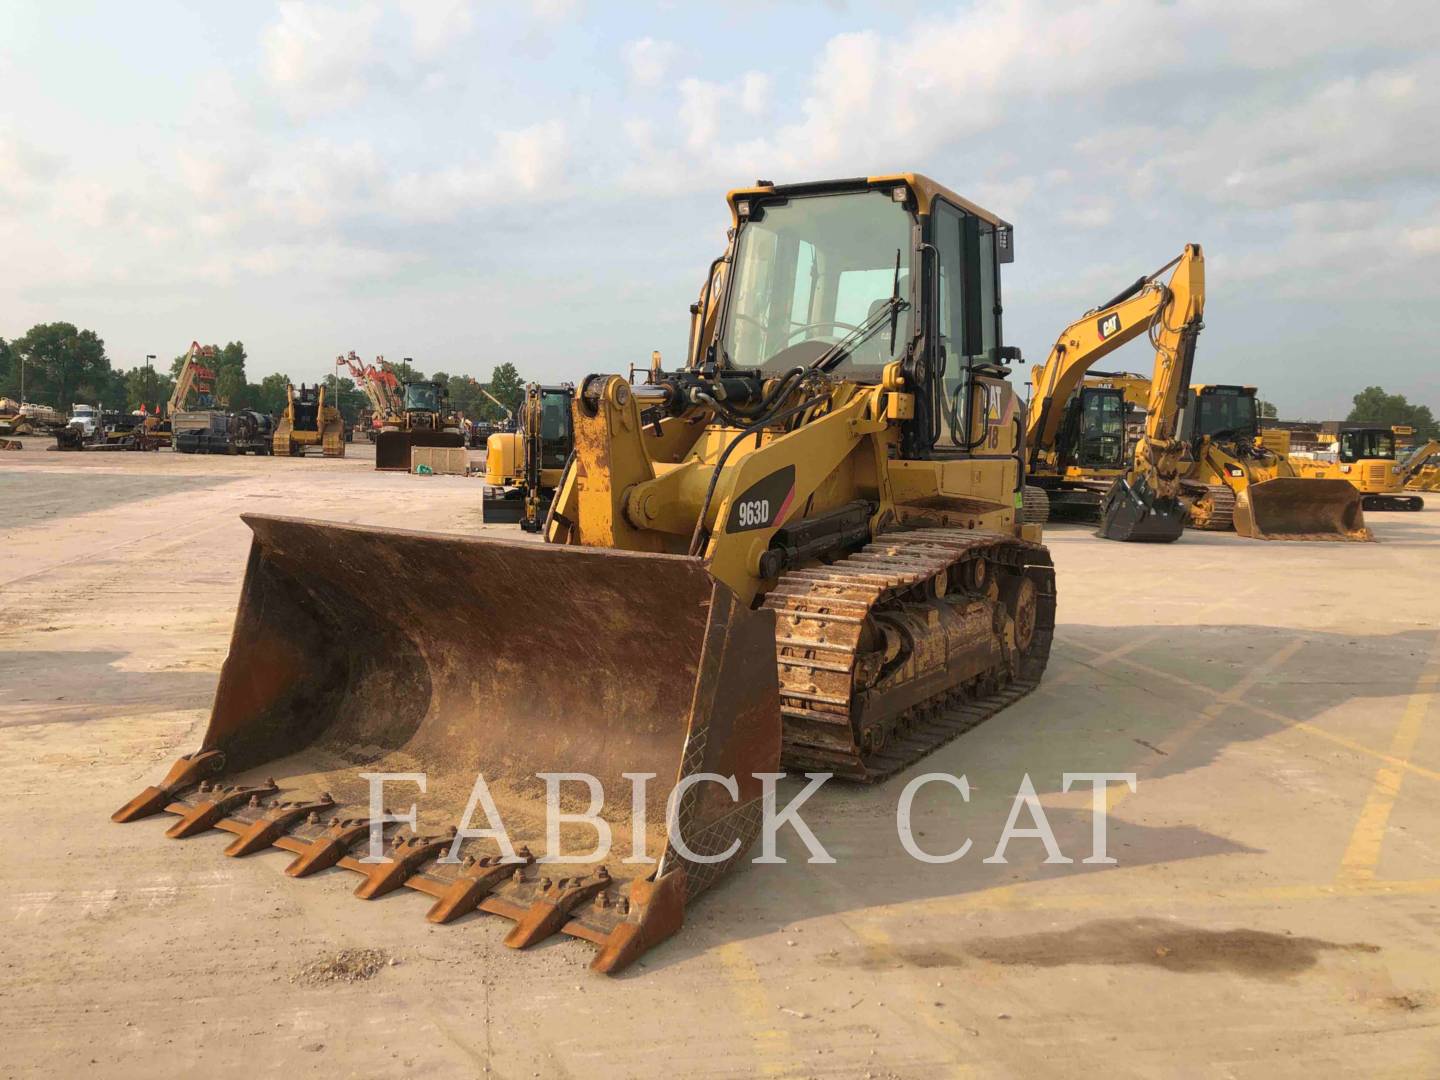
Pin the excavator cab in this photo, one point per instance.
(1092, 435)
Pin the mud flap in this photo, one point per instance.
(1292, 508)
(494, 658)
(1135, 513)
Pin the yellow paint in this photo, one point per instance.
(1362, 854)
(772, 1045)
(1289, 722)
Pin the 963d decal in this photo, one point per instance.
(763, 503)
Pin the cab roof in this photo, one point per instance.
(924, 189)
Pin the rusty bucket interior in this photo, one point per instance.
(392, 448)
(495, 658)
(1292, 508)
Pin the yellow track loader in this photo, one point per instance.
(1234, 481)
(801, 550)
(1366, 458)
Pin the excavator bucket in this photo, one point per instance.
(392, 448)
(1133, 512)
(1291, 508)
(500, 660)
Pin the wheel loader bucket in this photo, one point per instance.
(392, 448)
(496, 659)
(1291, 508)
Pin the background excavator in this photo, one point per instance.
(802, 547)
(1420, 468)
(1234, 480)
(308, 421)
(523, 467)
(1076, 436)
(1366, 458)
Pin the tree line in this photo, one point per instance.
(58, 364)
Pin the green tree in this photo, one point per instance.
(62, 362)
(405, 372)
(507, 385)
(270, 394)
(230, 387)
(9, 371)
(148, 387)
(1266, 410)
(1374, 406)
(345, 396)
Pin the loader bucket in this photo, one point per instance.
(392, 448)
(487, 658)
(1291, 508)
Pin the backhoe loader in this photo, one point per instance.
(523, 467)
(801, 548)
(1366, 457)
(1076, 436)
(1233, 480)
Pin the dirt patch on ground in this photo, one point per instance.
(1168, 945)
(346, 966)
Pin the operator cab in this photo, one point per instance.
(1365, 443)
(557, 426)
(1092, 434)
(849, 275)
(1225, 413)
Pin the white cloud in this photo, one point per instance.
(320, 57)
(436, 25)
(648, 60)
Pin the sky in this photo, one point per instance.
(469, 183)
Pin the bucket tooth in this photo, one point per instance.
(216, 802)
(657, 910)
(406, 855)
(550, 911)
(477, 879)
(274, 823)
(328, 848)
(188, 771)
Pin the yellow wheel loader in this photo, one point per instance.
(1233, 480)
(800, 550)
(1365, 457)
(424, 419)
(523, 467)
(308, 421)
(1076, 436)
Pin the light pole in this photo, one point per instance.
(150, 380)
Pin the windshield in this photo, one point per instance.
(1356, 445)
(421, 397)
(808, 272)
(1102, 431)
(1225, 412)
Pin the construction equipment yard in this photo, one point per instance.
(1274, 906)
